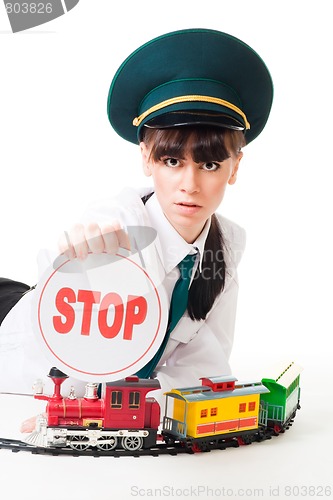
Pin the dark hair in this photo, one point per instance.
(204, 143)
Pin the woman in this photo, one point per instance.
(191, 99)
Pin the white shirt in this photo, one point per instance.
(195, 348)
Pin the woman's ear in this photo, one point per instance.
(145, 159)
(233, 176)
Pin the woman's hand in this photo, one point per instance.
(29, 425)
(82, 240)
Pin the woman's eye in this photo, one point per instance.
(211, 166)
(171, 162)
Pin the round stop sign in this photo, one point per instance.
(101, 319)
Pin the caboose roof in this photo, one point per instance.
(204, 393)
(286, 375)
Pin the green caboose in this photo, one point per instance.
(279, 405)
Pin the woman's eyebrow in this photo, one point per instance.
(172, 155)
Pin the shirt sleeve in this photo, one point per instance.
(22, 361)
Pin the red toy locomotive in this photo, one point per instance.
(124, 417)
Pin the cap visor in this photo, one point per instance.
(178, 119)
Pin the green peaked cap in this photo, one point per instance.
(192, 76)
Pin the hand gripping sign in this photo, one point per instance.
(103, 318)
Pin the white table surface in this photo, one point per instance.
(296, 464)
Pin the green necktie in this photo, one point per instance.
(178, 306)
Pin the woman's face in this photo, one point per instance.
(188, 192)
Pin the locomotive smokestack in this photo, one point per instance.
(58, 377)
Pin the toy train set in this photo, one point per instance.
(125, 420)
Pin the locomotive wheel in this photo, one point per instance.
(132, 443)
(110, 445)
(79, 443)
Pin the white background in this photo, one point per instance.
(58, 152)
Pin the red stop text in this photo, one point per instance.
(133, 312)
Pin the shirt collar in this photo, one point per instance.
(173, 248)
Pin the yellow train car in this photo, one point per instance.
(218, 407)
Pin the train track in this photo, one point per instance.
(159, 449)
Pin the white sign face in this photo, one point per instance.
(101, 319)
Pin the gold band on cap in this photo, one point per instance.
(191, 98)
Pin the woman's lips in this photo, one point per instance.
(187, 208)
